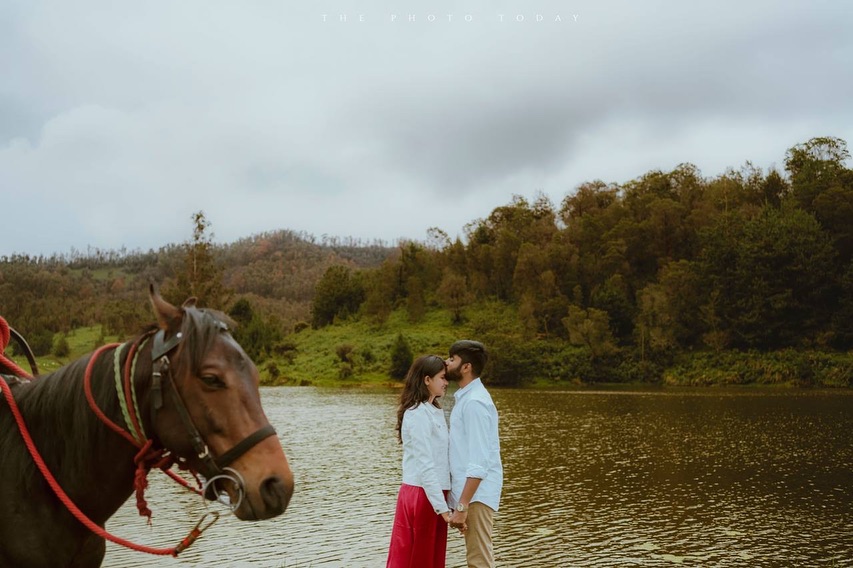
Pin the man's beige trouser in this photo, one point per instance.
(478, 537)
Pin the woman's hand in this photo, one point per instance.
(458, 520)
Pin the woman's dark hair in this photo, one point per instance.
(414, 389)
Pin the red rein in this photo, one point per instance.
(146, 459)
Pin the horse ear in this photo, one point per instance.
(189, 302)
(166, 313)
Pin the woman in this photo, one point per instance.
(419, 537)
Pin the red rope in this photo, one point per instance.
(145, 460)
(87, 385)
(5, 337)
(54, 485)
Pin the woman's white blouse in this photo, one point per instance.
(426, 453)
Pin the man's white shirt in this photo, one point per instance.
(475, 449)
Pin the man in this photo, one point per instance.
(476, 473)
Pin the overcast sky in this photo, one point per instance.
(378, 119)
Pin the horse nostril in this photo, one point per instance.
(276, 494)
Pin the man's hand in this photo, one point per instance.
(458, 520)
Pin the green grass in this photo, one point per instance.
(785, 367)
(81, 341)
(313, 359)
(316, 363)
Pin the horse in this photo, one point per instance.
(188, 395)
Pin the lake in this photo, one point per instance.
(667, 477)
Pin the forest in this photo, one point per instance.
(671, 273)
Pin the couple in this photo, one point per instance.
(466, 462)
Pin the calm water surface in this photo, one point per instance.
(663, 478)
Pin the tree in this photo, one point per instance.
(774, 188)
(379, 285)
(590, 199)
(821, 184)
(842, 317)
(612, 298)
(590, 328)
(401, 358)
(495, 242)
(815, 166)
(242, 311)
(541, 303)
(592, 247)
(259, 337)
(256, 334)
(437, 239)
(338, 294)
(773, 275)
(415, 300)
(201, 275)
(655, 326)
(513, 359)
(453, 294)
(669, 310)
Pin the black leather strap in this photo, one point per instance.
(247, 444)
(161, 346)
(199, 447)
(28, 352)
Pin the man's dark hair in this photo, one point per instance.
(471, 352)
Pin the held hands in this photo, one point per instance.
(458, 520)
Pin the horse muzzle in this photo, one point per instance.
(257, 486)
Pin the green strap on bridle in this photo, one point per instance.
(139, 436)
(133, 390)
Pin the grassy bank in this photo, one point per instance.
(358, 354)
(778, 368)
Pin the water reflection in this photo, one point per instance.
(694, 478)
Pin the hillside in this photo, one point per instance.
(277, 271)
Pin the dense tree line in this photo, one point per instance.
(638, 272)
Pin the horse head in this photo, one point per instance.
(207, 410)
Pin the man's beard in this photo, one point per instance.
(454, 374)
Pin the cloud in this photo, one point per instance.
(117, 121)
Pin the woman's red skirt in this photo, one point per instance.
(419, 537)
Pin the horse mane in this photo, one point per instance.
(57, 412)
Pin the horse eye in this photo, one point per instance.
(213, 381)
